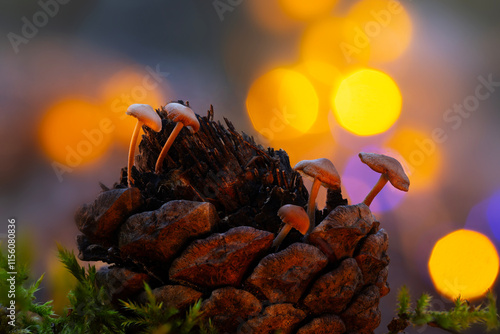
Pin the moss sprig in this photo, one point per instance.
(462, 316)
(153, 317)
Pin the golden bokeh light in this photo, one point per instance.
(324, 78)
(282, 104)
(307, 10)
(74, 132)
(323, 72)
(128, 86)
(268, 15)
(463, 264)
(331, 41)
(307, 147)
(367, 102)
(420, 155)
(385, 25)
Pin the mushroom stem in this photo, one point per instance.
(283, 233)
(311, 206)
(164, 151)
(376, 189)
(131, 152)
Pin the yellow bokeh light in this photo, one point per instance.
(324, 78)
(307, 10)
(367, 102)
(420, 154)
(74, 132)
(128, 86)
(463, 263)
(332, 41)
(383, 24)
(323, 72)
(282, 104)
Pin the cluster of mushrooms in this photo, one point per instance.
(146, 115)
(322, 170)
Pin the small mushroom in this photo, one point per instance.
(184, 116)
(324, 173)
(145, 115)
(294, 217)
(390, 169)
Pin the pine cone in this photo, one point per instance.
(204, 229)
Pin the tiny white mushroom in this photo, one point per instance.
(145, 115)
(390, 169)
(323, 173)
(294, 217)
(184, 116)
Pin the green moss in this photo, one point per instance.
(461, 317)
(90, 310)
(152, 317)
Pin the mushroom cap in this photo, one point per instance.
(323, 169)
(146, 114)
(180, 113)
(389, 166)
(295, 216)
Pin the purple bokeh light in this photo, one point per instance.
(493, 215)
(484, 217)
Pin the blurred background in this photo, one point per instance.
(415, 79)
